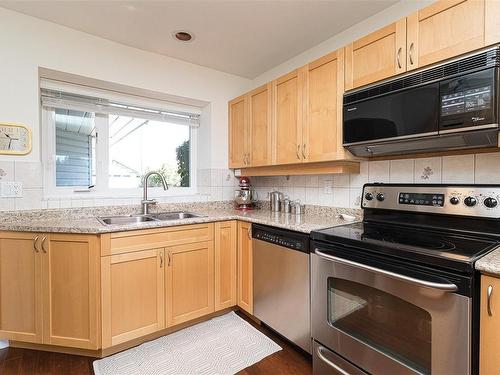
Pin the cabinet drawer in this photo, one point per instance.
(124, 242)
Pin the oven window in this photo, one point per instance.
(389, 324)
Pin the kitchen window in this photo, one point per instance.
(104, 144)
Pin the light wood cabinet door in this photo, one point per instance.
(489, 358)
(133, 292)
(492, 22)
(287, 134)
(443, 30)
(225, 264)
(376, 56)
(245, 267)
(238, 133)
(190, 282)
(259, 126)
(20, 288)
(71, 304)
(324, 87)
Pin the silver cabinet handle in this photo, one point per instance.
(37, 250)
(427, 284)
(330, 363)
(489, 292)
(398, 57)
(43, 244)
(304, 150)
(249, 232)
(169, 258)
(244, 158)
(248, 158)
(410, 52)
(161, 260)
(298, 152)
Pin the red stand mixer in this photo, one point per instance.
(245, 197)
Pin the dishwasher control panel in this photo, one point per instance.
(280, 237)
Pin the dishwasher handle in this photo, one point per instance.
(445, 287)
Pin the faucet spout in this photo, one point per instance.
(145, 201)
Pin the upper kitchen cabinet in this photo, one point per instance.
(288, 118)
(492, 22)
(376, 56)
(238, 134)
(446, 29)
(322, 130)
(259, 126)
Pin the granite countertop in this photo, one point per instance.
(490, 263)
(84, 220)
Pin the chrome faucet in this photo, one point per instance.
(145, 201)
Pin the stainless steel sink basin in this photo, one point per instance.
(136, 219)
(133, 219)
(179, 215)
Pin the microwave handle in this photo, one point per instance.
(424, 283)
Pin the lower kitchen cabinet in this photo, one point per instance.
(225, 264)
(190, 282)
(489, 363)
(20, 287)
(245, 267)
(49, 289)
(133, 293)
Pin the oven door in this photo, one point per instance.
(389, 322)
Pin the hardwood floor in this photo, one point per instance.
(14, 361)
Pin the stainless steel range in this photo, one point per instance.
(397, 293)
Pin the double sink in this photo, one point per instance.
(136, 219)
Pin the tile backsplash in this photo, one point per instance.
(344, 190)
(213, 185)
(339, 190)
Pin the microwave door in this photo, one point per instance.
(406, 113)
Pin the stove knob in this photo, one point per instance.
(380, 197)
(368, 196)
(470, 201)
(454, 200)
(490, 202)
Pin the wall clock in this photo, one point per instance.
(14, 139)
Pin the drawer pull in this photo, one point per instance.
(161, 260)
(330, 363)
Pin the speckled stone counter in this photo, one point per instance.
(84, 220)
(490, 263)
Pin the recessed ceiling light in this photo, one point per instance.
(183, 36)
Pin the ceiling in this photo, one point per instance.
(245, 38)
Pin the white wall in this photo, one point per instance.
(27, 43)
(381, 19)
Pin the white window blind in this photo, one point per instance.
(72, 97)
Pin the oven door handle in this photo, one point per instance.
(424, 283)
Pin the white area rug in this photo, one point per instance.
(222, 345)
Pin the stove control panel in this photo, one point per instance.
(466, 200)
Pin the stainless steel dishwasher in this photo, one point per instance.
(281, 283)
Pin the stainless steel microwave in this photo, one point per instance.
(450, 106)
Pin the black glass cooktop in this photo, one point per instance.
(407, 242)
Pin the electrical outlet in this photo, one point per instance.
(328, 187)
(11, 189)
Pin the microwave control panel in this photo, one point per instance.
(471, 100)
(479, 200)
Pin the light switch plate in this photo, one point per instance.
(11, 189)
(327, 187)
